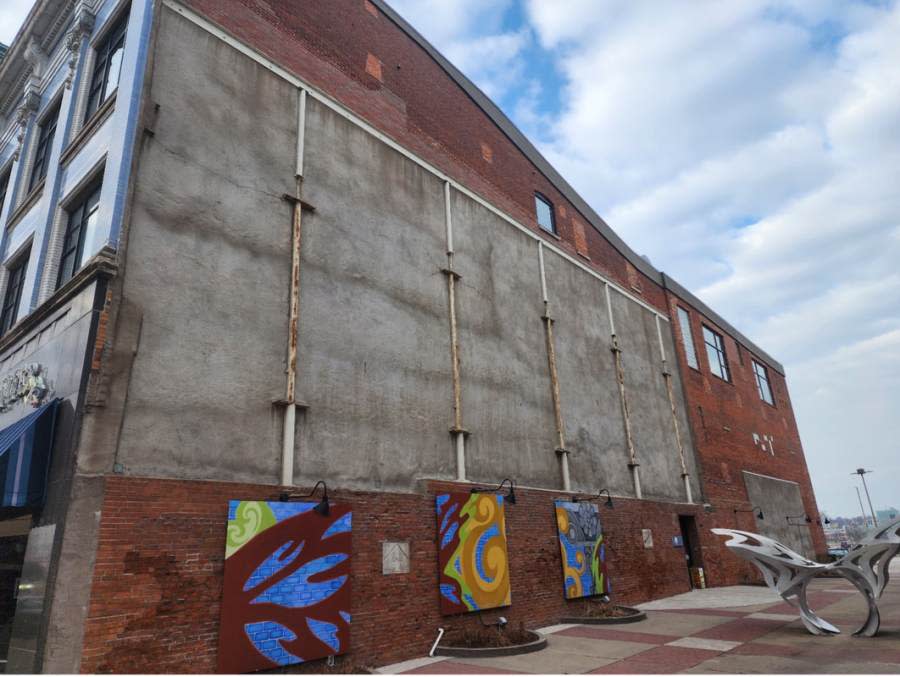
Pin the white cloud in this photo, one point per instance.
(12, 16)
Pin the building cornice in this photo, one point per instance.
(42, 29)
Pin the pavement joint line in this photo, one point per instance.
(412, 664)
(559, 627)
(763, 616)
(701, 643)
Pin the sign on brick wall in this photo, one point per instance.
(286, 593)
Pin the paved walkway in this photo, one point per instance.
(743, 629)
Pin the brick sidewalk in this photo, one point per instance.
(763, 638)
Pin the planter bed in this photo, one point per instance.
(519, 642)
(618, 614)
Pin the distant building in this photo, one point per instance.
(251, 246)
(887, 516)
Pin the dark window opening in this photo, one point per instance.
(763, 387)
(544, 209)
(107, 67)
(4, 186)
(715, 351)
(46, 132)
(14, 286)
(82, 222)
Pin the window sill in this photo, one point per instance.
(544, 231)
(27, 204)
(100, 116)
(723, 380)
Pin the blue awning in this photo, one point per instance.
(25, 457)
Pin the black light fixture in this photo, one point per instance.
(759, 513)
(322, 507)
(608, 503)
(511, 496)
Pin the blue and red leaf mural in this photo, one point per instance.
(287, 585)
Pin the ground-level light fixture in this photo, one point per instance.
(322, 507)
(608, 503)
(759, 512)
(511, 496)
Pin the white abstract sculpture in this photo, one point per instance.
(789, 574)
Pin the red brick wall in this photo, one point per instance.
(724, 417)
(334, 45)
(158, 578)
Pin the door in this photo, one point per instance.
(690, 539)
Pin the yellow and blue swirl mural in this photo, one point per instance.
(582, 549)
(287, 585)
(474, 565)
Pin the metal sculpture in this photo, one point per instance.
(866, 566)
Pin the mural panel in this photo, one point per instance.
(474, 566)
(582, 549)
(287, 585)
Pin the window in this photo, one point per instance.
(687, 337)
(762, 383)
(82, 221)
(46, 132)
(107, 67)
(4, 185)
(715, 351)
(544, 209)
(15, 284)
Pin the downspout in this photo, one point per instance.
(667, 376)
(458, 431)
(633, 465)
(290, 405)
(561, 450)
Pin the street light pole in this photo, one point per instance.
(862, 510)
(862, 473)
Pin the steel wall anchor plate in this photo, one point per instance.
(866, 566)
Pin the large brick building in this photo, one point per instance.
(248, 246)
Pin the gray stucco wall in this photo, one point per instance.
(208, 270)
(373, 361)
(780, 499)
(505, 382)
(209, 263)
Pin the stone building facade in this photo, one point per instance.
(315, 251)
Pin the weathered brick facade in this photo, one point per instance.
(158, 577)
(724, 417)
(157, 582)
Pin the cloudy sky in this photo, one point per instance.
(751, 150)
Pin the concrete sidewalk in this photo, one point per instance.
(742, 629)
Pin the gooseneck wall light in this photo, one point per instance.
(759, 512)
(608, 503)
(322, 508)
(511, 496)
